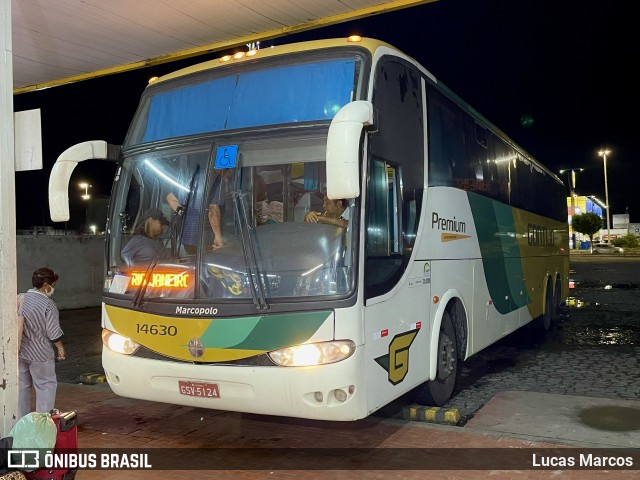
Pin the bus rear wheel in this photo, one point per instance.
(557, 296)
(546, 320)
(438, 391)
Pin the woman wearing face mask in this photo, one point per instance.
(36, 366)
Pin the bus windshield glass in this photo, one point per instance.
(223, 219)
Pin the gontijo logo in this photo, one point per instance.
(396, 362)
(539, 236)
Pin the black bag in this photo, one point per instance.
(5, 445)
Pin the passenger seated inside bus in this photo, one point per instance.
(216, 200)
(335, 212)
(145, 246)
(266, 211)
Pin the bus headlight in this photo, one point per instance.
(119, 344)
(311, 354)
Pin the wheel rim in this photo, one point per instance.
(446, 357)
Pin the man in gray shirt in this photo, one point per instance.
(36, 363)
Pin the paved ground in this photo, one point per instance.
(578, 388)
(569, 419)
(189, 442)
(83, 344)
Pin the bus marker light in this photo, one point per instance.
(436, 299)
(340, 395)
(354, 38)
(226, 58)
(381, 334)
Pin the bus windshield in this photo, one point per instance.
(262, 194)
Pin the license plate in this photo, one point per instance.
(199, 389)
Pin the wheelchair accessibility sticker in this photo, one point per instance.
(226, 156)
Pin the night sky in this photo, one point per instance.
(566, 64)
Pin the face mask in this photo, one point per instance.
(50, 292)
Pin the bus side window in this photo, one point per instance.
(383, 244)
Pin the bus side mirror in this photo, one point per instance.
(63, 168)
(343, 149)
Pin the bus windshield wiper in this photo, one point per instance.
(249, 243)
(142, 289)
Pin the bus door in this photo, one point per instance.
(397, 282)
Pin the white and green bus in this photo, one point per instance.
(455, 238)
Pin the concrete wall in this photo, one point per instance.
(78, 260)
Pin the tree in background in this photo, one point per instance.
(587, 223)
(628, 241)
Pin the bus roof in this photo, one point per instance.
(366, 43)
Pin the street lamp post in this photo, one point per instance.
(86, 188)
(85, 196)
(603, 154)
(571, 180)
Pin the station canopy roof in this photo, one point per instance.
(56, 42)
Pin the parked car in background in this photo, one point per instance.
(606, 248)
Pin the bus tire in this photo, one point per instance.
(438, 391)
(557, 296)
(545, 320)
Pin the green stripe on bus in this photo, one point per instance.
(496, 231)
(268, 332)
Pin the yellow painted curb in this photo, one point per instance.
(431, 414)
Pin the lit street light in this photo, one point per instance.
(603, 154)
(86, 188)
(85, 196)
(571, 180)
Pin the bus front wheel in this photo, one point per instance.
(438, 391)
